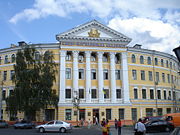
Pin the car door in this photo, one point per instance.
(58, 125)
(49, 126)
(154, 126)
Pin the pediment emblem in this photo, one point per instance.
(94, 33)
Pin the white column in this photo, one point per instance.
(113, 79)
(100, 77)
(62, 76)
(125, 80)
(88, 76)
(75, 71)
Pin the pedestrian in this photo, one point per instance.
(96, 119)
(119, 126)
(140, 128)
(89, 124)
(108, 127)
(115, 124)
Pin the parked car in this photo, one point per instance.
(151, 118)
(3, 124)
(55, 125)
(159, 126)
(176, 131)
(24, 125)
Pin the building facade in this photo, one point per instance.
(101, 75)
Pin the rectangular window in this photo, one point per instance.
(165, 95)
(172, 78)
(105, 74)
(81, 93)
(68, 114)
(12, 74)
(5, 76)
(118, 93)
(68, 73)
(151, 94)
(108, 114)
(157, 76)
(168, 110)
(118, 75)
(168, 77)
(143, 93)
(159, 111)
(68, 93)
(142, 75)
(93, 74)
(134, 114)
(150, 75)
(159, 94)
(135, 94)
(149, 111)
(81, 73)
(163, 77)
(121, 114)
(68, 57)
(134, 74)
(4, 95)
(93, 93)
(106, 93)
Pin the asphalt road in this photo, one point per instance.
(77, 131)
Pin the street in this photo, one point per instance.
(75, 131)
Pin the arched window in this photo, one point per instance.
(133, 58)
(171, 65)
(68, 56)
(162, 62)
(149, 60)
(6, 59)
(167, 63)
(156, 61)
(141, 60)
(13, 59)
(37, 55)
(46, 56)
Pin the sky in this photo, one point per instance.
(155, 24)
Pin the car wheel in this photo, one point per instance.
(167, 129)
(62, 130)
(41, 130)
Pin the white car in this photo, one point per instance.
(54, 125)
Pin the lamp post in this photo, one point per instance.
(76, 102)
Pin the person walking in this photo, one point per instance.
(119, 126)
(104, 127)
(140, 128)
(89, 124)
(96, 119)
(115, 124)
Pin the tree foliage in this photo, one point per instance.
(33, 80)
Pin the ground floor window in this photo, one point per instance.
(49, 114)
(149, 111)
(82, 114)
(108, 114)
(68, 114)
(121, 114)
(134, 114)
(168, 110)
(159, 111)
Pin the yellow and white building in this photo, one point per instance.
(110, 79)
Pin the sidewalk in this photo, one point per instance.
(124, 131)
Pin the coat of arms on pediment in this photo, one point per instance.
(94, 33)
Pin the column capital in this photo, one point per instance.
(88, 54)
(63, 52)
(75, 53)
(112, 55)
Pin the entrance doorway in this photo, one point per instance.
(82, 114)
(95, 115)
(49, 114)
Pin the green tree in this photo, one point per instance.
(34, 78)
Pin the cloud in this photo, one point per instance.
(152, 34)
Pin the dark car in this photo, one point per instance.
(3, 124)
(151, 118)
(24, 125)
(176, 131)
(159, 126)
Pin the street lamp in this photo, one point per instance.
(76, 102)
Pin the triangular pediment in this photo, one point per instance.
(93, 30)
